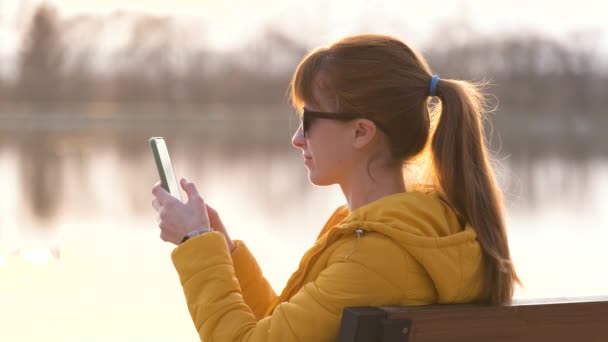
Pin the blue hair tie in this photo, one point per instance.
(434, 82)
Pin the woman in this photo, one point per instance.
(364, 105)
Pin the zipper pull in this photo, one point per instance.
(359, 233)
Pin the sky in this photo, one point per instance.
(234, 18)
(557, 13)
(553, 17)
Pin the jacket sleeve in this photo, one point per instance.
(255, 288)
(220, 312)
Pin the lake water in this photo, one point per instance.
(81, 260)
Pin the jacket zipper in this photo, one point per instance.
(301, 276)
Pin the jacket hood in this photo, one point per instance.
(428, 229)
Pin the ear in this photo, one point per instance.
(364, 131)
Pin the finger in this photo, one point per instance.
(163, 226)
(190, 190)
(156, 204)
(163, 236)
(161, 194)
(210, 210)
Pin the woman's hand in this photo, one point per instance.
(176, 219)
(218, 226)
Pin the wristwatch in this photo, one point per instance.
(193, 234)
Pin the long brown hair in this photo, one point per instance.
(384, 79)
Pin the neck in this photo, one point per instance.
(361, 189)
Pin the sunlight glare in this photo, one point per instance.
(37, 256)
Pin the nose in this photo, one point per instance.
(298, 140)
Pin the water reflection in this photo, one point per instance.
(40, 165)
(245, 166)
(253, 152)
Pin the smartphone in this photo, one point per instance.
(163, 164)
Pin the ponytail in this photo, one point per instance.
(465, 178)
(384, 79)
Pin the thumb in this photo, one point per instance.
(190, 190)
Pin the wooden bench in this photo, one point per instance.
(551, 320)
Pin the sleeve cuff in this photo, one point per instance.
(200, 252)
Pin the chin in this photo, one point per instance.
(317, 179)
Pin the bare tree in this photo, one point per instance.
(41, 63)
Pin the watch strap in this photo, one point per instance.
(193, 234)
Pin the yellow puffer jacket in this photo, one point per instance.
(403, 249)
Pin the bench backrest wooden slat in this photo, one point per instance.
(584, 320)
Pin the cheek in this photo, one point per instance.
(330, 160)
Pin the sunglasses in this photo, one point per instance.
(308, 116)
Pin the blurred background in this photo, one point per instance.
(85, 83)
